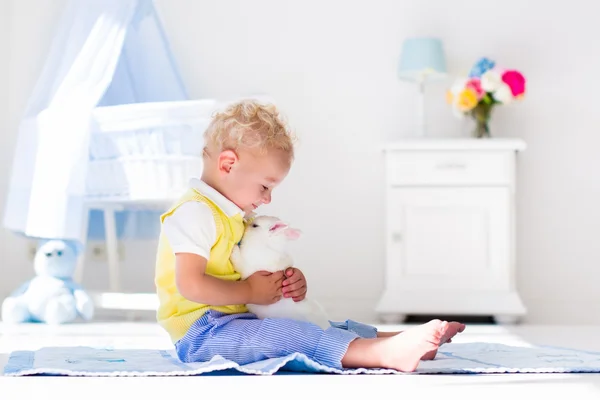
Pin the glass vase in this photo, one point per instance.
(481, 115)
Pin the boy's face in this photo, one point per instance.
(249, 178)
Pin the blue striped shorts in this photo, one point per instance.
(243, 338)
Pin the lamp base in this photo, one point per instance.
(421, 126)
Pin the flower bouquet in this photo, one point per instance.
(485, 87)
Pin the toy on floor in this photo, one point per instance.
(51, 296)
(264, 248)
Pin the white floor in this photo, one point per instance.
(148, 335)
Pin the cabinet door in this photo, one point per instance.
(451, 238)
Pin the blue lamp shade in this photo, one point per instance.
(422, 58)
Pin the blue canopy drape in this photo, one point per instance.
(104, 53)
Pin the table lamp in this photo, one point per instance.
(422, 60)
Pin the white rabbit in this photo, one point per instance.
(264, 248)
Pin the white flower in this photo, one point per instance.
(491, 81)
(503, 94)
(458, 86)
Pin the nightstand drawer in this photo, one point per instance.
(448, 167)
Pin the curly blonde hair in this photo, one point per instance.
(249, 125)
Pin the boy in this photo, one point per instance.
(248, 152)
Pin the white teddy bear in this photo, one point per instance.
(264, 248)
(51, 296)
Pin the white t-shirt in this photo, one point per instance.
(191, 228)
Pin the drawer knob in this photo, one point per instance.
(396, 236)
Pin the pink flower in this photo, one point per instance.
(475, 85)
(515, 81)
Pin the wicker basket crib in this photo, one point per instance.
(146, 151)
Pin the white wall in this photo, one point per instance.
(331, 67)
(11, 249)
(25, 34)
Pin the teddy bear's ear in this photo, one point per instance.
(76, 246)
(41, 243)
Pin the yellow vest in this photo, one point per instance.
(175, 313)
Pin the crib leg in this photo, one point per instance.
(78, 275)
(112, 251)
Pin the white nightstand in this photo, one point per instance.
(450, 229)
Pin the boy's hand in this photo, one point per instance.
(295, 284)
(265, 287)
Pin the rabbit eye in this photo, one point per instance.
(255, 225)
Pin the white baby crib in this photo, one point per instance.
(141, 157)
(109, 127)
(146, 151)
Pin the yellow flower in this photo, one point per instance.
(467, 100)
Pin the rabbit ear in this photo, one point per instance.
(278, 226)
(292, 234)
(282, 227)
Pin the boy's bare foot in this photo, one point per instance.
(453, 329)
(403, 352)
